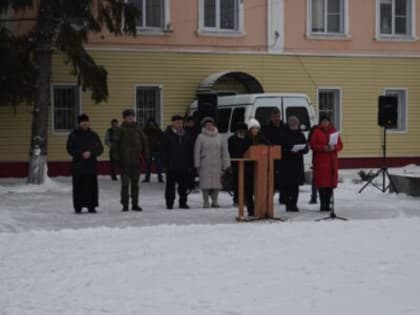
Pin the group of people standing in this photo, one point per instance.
(184, 151)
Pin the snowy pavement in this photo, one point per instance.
(49, 207)
(184, 262)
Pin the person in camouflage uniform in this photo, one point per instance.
(131, 145)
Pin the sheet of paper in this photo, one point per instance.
(334, 138)
(298, 147)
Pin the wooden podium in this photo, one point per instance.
(263, 156)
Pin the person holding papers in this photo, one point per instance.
(325, 143)
(291, 172)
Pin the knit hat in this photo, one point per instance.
(128, 112)
(253, 123)
(241, 126)
(82, 117)
(207, 119)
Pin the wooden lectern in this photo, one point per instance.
(263, 156)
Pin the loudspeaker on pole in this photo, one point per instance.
(388, 111)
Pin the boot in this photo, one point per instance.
(214, 195)
(160, 178)
(146, 179)
(206, 203)
(136, 208)
(328, 194)
(323, 199)
(314, 194)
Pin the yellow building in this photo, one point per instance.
(158, 73)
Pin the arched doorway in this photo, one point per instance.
(230, 82)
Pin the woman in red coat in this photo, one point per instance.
(325, 160)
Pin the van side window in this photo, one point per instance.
(238, 115)
(302, 114)
(222, 119)
(263, 114)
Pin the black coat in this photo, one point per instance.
(177, 151)
(275, 135)
(291, 169)
(250, 141)
(80, 141)
(237, 146)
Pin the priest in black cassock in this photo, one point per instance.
(84, 146)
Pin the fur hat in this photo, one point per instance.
(206, 120)
(128, 112)
(253, 123)
(177, 117)
(324, 117)
(82, 117)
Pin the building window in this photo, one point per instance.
(329, 103)
(327, 16)
(66, 107)
(148, 104)
(152, 13)
(401, 95)
(220, 15)
(395, 17)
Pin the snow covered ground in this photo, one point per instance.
(199, 261)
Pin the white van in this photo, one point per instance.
(242, 107)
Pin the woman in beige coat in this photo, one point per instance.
(211, 158)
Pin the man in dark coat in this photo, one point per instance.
(84, 145)
(292, 173)
(177, 157)
(275, 133)
(154, 134)
(109, 141)
(131, 145)
(237, 146)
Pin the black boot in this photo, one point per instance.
(92, 210)
(328, 194)
(160, 179)
(323, 199)
(136, 208)
(169, 205)
(146, 179)
(293, 195)
(314, 194)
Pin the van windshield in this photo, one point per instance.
(298, 106)
(302, 114)
(264, 108)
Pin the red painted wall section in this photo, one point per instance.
(20, 169)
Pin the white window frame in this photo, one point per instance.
(337, 116)
(345, 34)
(396, 37)
(217, 31)
(159, 119)
(52, 86)
(166, 27)
(402, 113)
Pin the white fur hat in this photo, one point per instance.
(253, 123)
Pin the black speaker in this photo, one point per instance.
(206, 105)
(388, 111)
